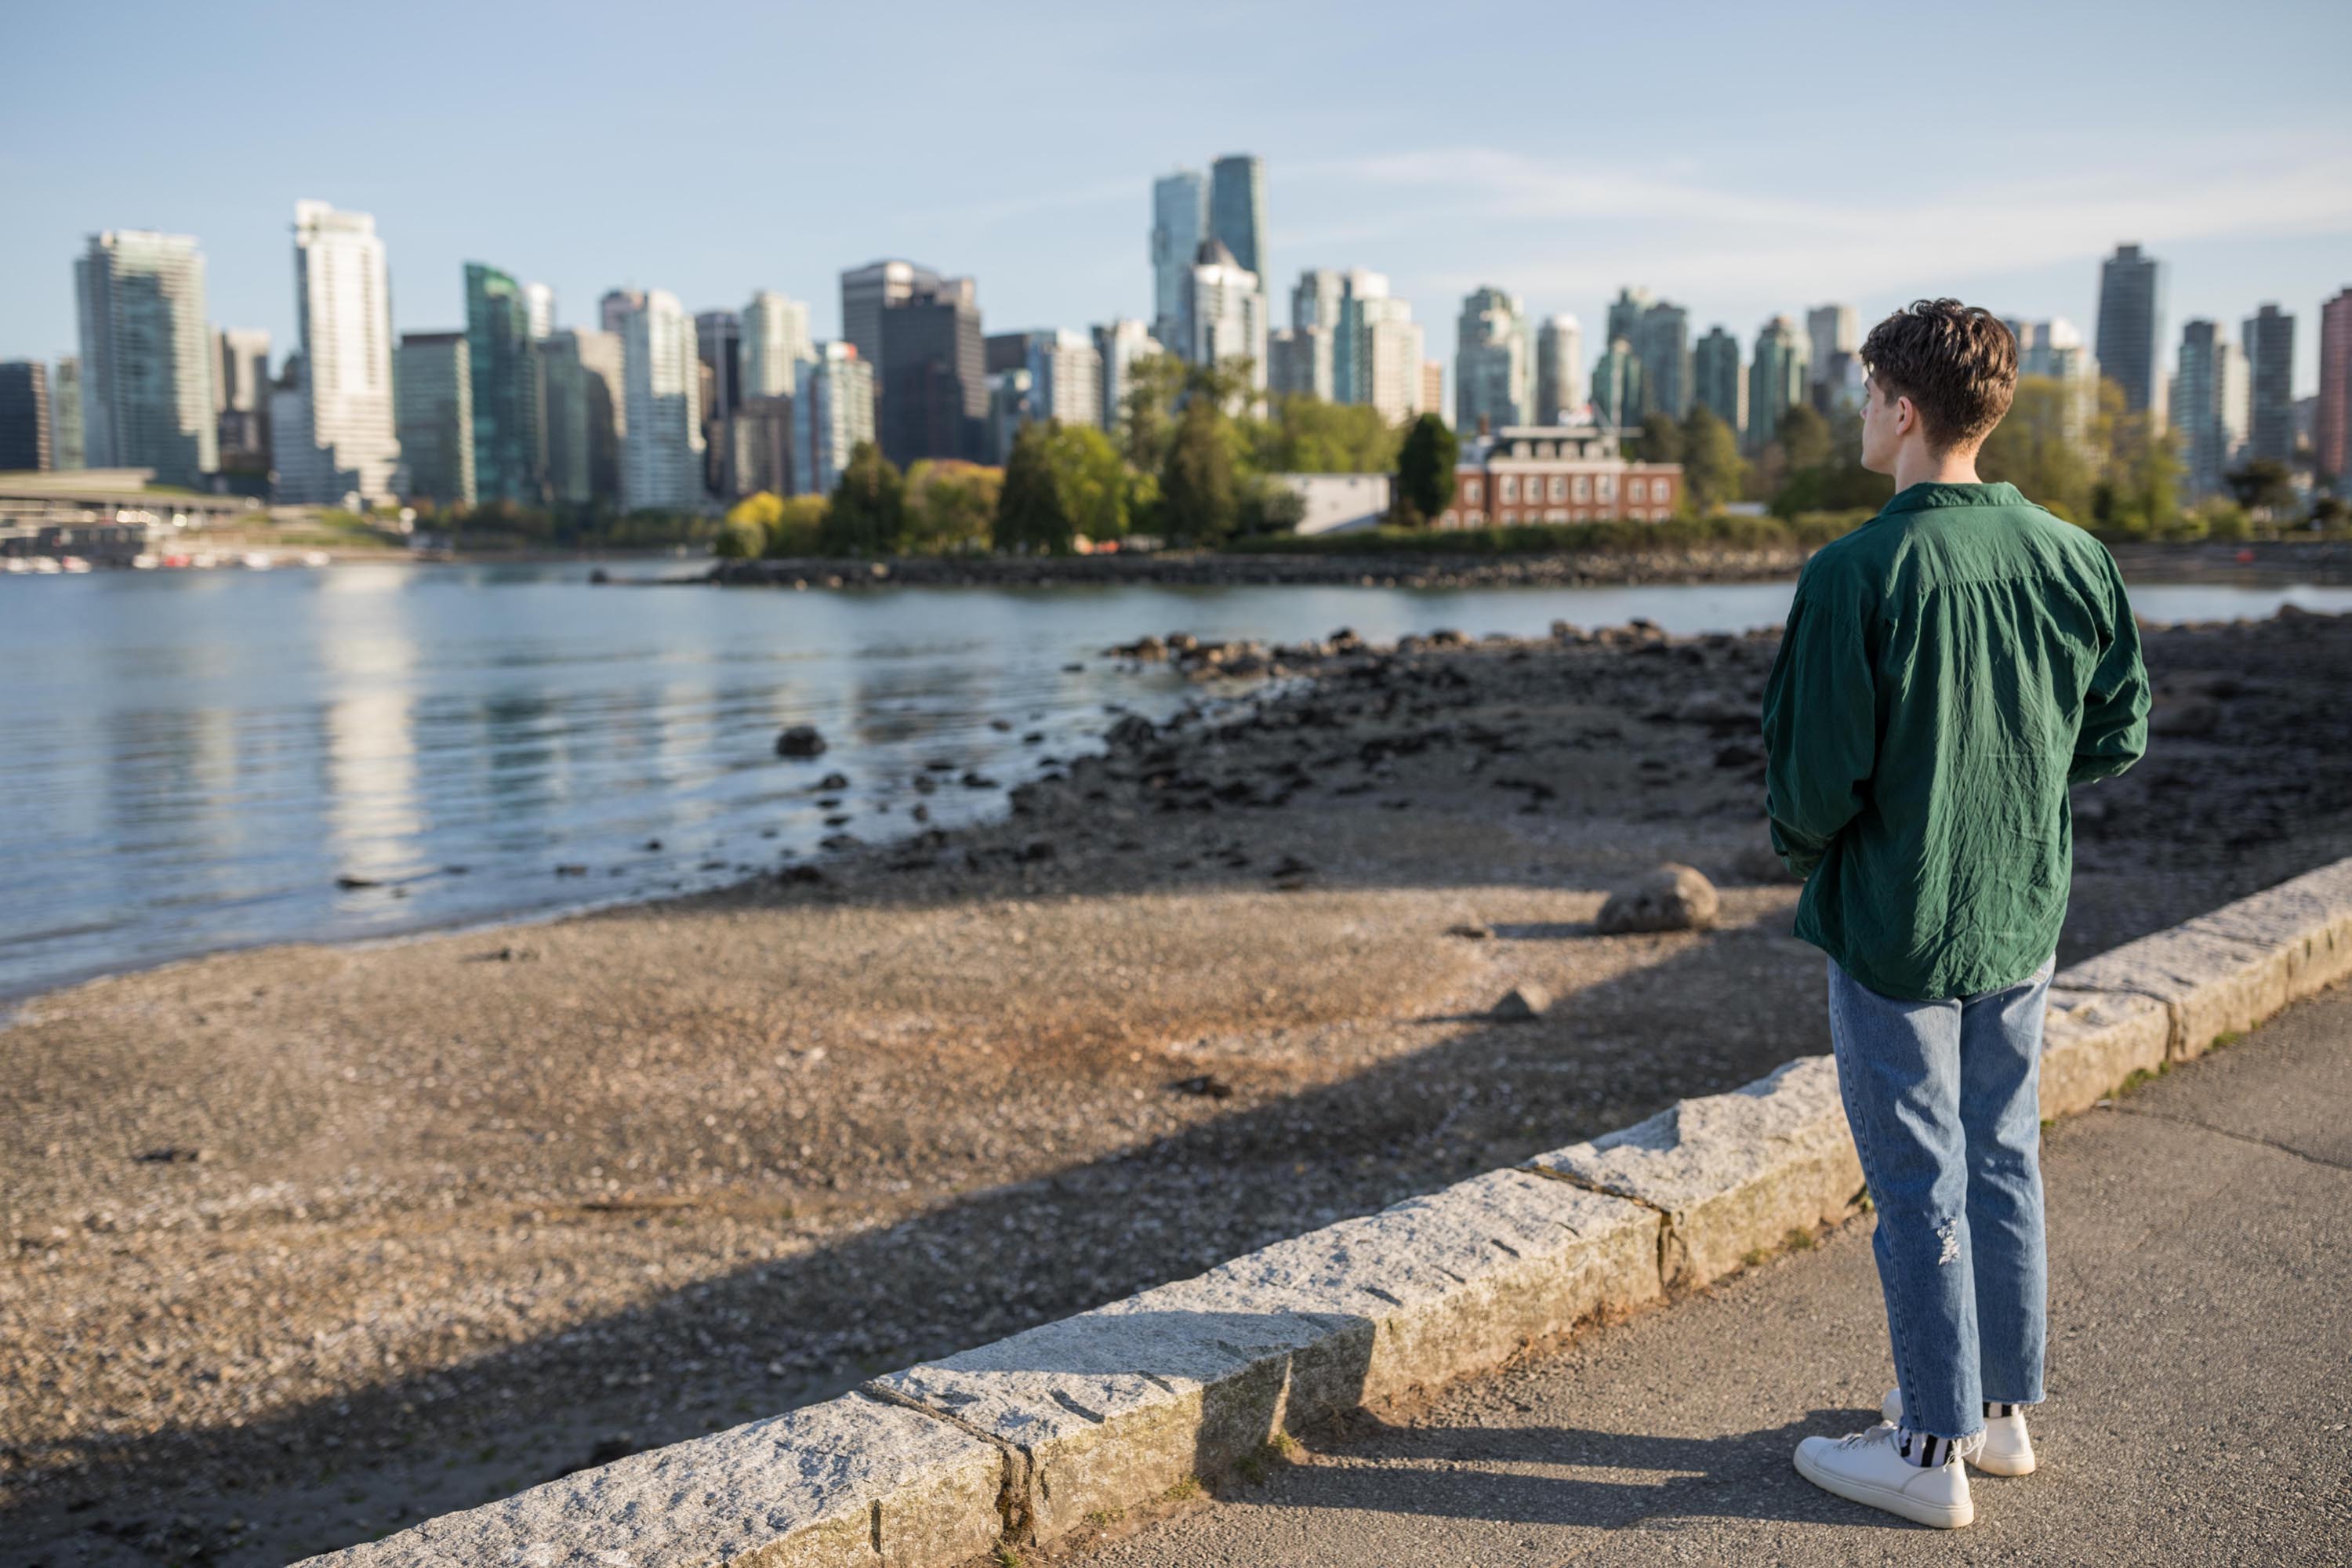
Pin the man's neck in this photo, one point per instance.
(1917, 466)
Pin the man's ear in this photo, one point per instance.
(1907, 415)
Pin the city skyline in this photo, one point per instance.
(2254, 206)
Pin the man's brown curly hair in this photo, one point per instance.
(1957, 364)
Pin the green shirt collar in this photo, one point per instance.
(1925, 497)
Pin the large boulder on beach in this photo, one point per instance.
(1708, 706)
(1671, 898)
(800, 740)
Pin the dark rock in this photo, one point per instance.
(800, 740)
(570, 871)
(978, 781)
(1471, 930)
(831, 782)
(1523, 1002)
(170, 1155)
(1208, 1085)
(349, 883)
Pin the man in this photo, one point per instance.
(1949, 670)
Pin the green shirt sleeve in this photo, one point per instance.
(1821, 720)
(2113, 734)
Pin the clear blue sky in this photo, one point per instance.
(1742, 159)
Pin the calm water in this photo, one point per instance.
(188, 761)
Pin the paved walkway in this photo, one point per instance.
(2201, 1379)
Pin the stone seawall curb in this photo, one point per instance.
(1021, 1440)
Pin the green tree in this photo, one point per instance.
(1803, 438)
(799, 527)
(2264, 487)
(1092, 478)
(1198, 501)
(1425, 469)
(740, 539)
(1660, 441)
(1309, 435)
(1713, 472)
(2042, 447)
(1146, 415)
(1030, 511)
(1269, 506)
(950, 506)
(869, 514)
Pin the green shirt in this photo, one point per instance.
(1947, 671)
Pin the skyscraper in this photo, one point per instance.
(1717, 385)
(507, 460)
(2270, 385)
(1493, 363)
(1122, 344)
(1315, 301)
(661, 446)
(1364, 302)
(866, 292)
(1830, 331)
(241, 392)
(1626, 313)
(1227, 312)
(1237, 208)
(833, 415)
(931, 390)
(585, 392)
(1617, 386)
(1777, 380)
(776, 343)
(27, 443)
(1180, 221)
(613, 310)
(1390, 369)
(146, 355)
(2208, 405)
(65, 413)
(2331, 435)
(344, 311)
(434, 414)
(1299, 362)
(2131, 325)
(539, 310)
(1066, 372)
(1664, 348)
(718, 345)
(1559, 369)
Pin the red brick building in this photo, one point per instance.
(1571, 473)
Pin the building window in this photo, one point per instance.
(1518, 449)
(1583, 486)
(1637, 490)
(1510, 488)
(1604, 487)
(1557, 514)
(1471, 489)
(1543, 450)
(1559, 486)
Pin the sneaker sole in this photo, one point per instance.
(1939, 1517)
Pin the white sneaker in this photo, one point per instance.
(1864, 1468)
(2007, 1450)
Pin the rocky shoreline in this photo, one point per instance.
(2266, 561)
(306, 1243)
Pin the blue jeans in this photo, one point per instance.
(1944, 1099)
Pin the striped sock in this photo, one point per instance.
(1995, 1407)
(1921, 1449)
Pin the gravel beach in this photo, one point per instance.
(306, 1243)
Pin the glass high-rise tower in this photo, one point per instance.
(510, 457)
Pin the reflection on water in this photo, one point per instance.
(190, 760)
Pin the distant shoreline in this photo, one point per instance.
(2266, 562)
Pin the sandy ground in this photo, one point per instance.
(306, 1243)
